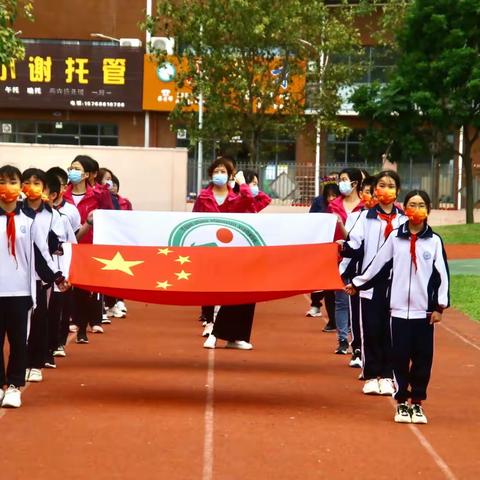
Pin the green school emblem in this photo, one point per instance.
(214, 232)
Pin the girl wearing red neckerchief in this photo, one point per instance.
(419, 294)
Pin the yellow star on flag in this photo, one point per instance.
(183, 260)
(118, 263)
(164, 251)
(182, 275)
(163, 285)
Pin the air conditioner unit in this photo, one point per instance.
(130, 42)
(165, 44)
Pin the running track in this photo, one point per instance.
(146, 401)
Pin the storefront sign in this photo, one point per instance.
(74, 77)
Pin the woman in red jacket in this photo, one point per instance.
(88, 306)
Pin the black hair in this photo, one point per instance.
(88, 163)
(388, 173)
(34, 172)
(421, 193)
(364, 172)
(227, 163)
(369, 182)
(116, 181)
(53, 183)
(10, 172)
(60, 173)
(250, 175)
(330, 189)
(355, 175)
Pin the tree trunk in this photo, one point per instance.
(468, 167)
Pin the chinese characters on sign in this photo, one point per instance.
(73, 77)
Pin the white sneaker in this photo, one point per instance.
(371, 387)
(105, 319)
(12, 397)
(402, 414)
(27, 374)
(418, 415)
(97, 329)
(239, 345)
(207, 329)
(115, 312)
(314, 312)
(210, 342)
(73, 328)
(35, 375)
(59, 351)
(386, 386)
(121, 306)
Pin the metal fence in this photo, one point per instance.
(291, 183)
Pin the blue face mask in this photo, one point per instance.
(345, 187)
(219, 179)
(254, 189)
(75, 176)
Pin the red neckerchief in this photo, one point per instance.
(413, 254)
(11, 232)
(388, 218)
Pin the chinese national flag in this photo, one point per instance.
(205, 275)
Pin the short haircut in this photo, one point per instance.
(10, 172)
(388, 173)
(34, 172)
(221, 161)
(368, 182)
(250, 175)
(59, 173)
(53, 183)
(421, 193)
(355, 175)
(88, 163)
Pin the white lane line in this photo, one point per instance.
(461, 337)
(441, 464)
(208, 419)
(431, 451)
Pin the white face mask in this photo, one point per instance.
(345, 187)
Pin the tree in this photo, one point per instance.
(437, 79)
(11, 47)
(240, 55)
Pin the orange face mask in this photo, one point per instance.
(9, 193)
(368, 200)
(386, 195)
(416, 215)
(32, 192)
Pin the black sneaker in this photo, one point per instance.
(329, 328)
(82, 338)
(342, 348)
(356, 361)
(402, 414)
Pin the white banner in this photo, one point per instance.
(150, 229)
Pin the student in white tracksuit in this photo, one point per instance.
(419, 294)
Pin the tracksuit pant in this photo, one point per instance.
(38, 335)
(87, 309)
(234, 322)
(355, 322)
(329, 297)
(376, 340)
(59, 311)
(412, 356)
(14, 325)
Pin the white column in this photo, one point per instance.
(460, 169)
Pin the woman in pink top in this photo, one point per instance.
(350, 181)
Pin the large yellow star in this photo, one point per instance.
(163, 285)
(182, 275)
(164, 251)
(118, 263)
(183, 260)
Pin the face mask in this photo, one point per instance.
(386, 195)
(32, 192)
(345, 187)
(416, 215)
(231, 183)
(109, 184)
(368, 200)
(254, 189)
(75, 176)
(219, 179)
(9, 193)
